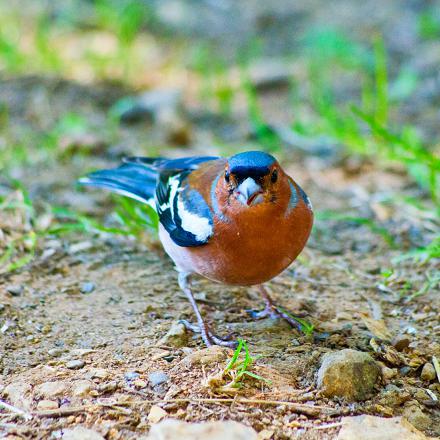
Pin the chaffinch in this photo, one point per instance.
(239, 220)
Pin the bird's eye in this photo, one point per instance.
(227, 176)
(274, 176)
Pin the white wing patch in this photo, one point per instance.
(198, 226)
(173, 183)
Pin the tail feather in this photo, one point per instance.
(130, 179)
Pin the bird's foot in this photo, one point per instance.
(276, 312)
(208, 336)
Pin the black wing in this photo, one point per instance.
(183, 212)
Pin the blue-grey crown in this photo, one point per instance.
(251, 161)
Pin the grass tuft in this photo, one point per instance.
(235, 372)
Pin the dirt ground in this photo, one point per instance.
(83, 327)
(104, 302)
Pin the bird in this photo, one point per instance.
(239, 220)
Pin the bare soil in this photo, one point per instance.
(115, 328)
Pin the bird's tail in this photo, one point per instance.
(134, 180)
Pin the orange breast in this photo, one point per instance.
(255, 247)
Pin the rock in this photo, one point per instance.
(348, 373)
(207, 356)
(139, 383)
(176, 429)
(17, 394)
(76, 364)
(416, 416)
(400, 342)
(131, 375)
(82, 388)
(108, 387)
(421, 395)
(388, 373)
(428, 372)
(156, 414)
(87, 287)
(393, 396)
(175, 337)
(99, 373)
(157, 377)
(51, 389)
(15, 289)
(378, 428)
(55, 352)
(44, 405)
(78, 433)
(270, 74)
(149, 106)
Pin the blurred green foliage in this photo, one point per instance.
(110, 40)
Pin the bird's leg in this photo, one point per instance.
(272, 310)
(208, 337)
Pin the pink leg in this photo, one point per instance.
(208, 337)
(272, 310)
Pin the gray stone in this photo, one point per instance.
(15, 289)
(157, 377)
(55, 352)
(131, 375)
(378, 428)
(76, 364)
(348, 373)
(87, 287)
(171, 429)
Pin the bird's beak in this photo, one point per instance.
(249, 192)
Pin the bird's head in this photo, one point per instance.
(253, 178)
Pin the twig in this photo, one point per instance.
(436, 367)
(301, 408)
(63, 412)
(15, 410)
(328, 426)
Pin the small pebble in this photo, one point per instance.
(82, 388)
(55, 352)
(44, 405)
(52, 389)
(428, 372)
(156, 414)
(15, 289)
(76, 364)
(139, 383)
(108, 387)
(405, 370)
(87, 287)
(157, 377)
(131, 375)
(401, 342)
(388, 373)
(99, 373)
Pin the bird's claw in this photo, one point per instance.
(208, 337)
(272, 311)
